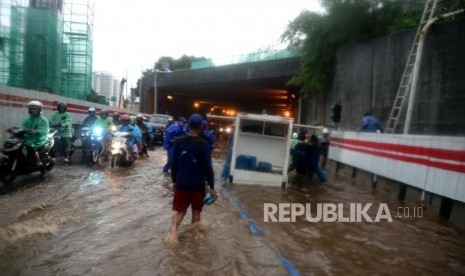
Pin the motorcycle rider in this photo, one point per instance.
(90, 120)
(116, 119)
(38, 124)
(137, 135)
(125, 126)
(63, 121)
(144, 129)
(106, 124)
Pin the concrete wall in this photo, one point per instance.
(13, 107)
(367, 78)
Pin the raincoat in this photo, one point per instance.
(39, 123)
(66, 122)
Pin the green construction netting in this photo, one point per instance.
(39, 51)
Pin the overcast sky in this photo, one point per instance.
(130, 35)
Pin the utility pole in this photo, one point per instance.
(123, 81)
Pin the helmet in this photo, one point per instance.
(132, 118)
(91, 110)
(62, 105)
(115, 115)
(124, 117)
(104, 113)
(295, 135)
(325, 131)
(139, 115)
(35, 104)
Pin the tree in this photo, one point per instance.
(182, 63)
(345, 23)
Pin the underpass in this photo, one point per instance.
(247, 87)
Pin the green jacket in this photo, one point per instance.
(66, 123)
(39, 123)
(104, 123)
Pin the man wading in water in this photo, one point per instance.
(191, 167)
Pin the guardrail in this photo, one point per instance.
(434, 164)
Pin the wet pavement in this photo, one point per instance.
(86, 220)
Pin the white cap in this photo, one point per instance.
(295, 135)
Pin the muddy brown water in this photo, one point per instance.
(103, 221)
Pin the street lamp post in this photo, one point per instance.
(123, 81)
(155, 93)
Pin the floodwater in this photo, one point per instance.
(87, 220)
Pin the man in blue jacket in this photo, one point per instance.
(190, 169)
(173, 131)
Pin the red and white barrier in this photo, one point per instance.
(435, 164)
(13, 107)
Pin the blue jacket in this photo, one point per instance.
(370, 124)
(192, 164)
(174, 130)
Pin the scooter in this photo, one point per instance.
(16, 159)
(120, 155)
(98, 145)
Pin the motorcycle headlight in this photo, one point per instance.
(98, 131)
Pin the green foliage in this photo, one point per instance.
(182, 63)
(345, 23)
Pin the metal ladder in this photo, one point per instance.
(405, 83)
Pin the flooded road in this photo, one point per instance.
(102, 221)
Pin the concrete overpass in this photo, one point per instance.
(247, 87)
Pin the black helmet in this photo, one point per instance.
(115, 115)
(63, 106)
(103, 113)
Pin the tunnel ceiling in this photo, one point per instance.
(247, 96)
(248, 87)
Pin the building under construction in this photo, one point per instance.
(46, 45)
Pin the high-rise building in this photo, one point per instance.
(46, 45)
(103, 84)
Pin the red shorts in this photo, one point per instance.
(184, 198)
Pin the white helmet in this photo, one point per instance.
(35, 103)
(139, 115)
(295, 135)
(325, 131)
(91, 109)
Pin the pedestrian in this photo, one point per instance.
(308, 158)
(227, 162)
(324, 143)
(191, 167)
(176, 129)
(370, 123)
(313, 160)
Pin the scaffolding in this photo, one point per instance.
(46, 45)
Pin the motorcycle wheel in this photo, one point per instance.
(95, 156)
(8, 179)
(115, 160)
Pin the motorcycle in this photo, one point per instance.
(86, 142)
(99, 151)
(17, 160)
(120, 155)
